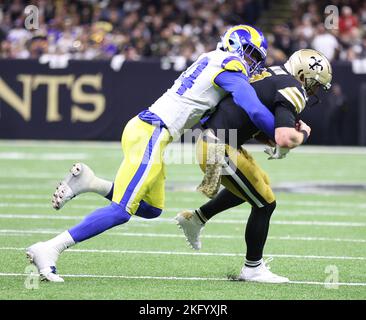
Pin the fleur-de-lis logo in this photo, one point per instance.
(316, 64)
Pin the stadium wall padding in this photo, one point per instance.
(88, 100)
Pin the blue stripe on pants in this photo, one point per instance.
(141, 169)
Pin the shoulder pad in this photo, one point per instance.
(233, 63)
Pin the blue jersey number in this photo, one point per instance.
(187, 82)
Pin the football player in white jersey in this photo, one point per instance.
(138, 188)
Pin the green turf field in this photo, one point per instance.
(317, 236)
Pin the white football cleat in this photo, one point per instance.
(261, 274)
(76, 181)
(44, 258)
(191, 226)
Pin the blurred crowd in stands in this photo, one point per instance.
(150, 29)
(341, 36)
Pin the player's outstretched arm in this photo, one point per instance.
(245, 97)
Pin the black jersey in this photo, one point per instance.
(277, 89)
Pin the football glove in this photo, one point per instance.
(277, 152)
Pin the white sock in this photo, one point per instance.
(253, 264)
(101, 186)
(199, 217)
(61, 241)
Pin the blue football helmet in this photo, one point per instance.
(248, 43)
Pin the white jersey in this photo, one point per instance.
(194, 92)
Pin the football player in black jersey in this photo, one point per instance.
(284, 90)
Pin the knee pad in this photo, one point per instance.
(147, 211)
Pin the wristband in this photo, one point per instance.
(306, 135)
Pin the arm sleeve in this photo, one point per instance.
(245, 97)
(284, 116)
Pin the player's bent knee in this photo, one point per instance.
(270, 208)
(268, 194)
(273, 205)
(120, 214)
(265, 211)
(148, 211)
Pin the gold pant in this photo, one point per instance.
(241, 174)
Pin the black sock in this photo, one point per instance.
(110, 193)
(223, 200)
(257, 230)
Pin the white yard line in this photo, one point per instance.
(198, 254)
(31, 176)
(186, 184)
(11, 144)
(17, 232)
(280, 212)
(23, 186)
(285, 203)
(16, 144)
(171, 220)
(34, 196)
(198, 197)
(42, 205)
(281, 208)
(100, 276)
(39, 217)
(59, 177)
(39, 156)
(312, 203)
(25, 196)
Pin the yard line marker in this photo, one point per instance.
(41, 205)
(316, 239)
(282, 206)
(24, 196)
(174, 198)
(23, 186)
(244, 210)
(42, 156)
(16, 232)
(174, 146)
(35, 196)
(100, 276)
(312, 203)
(39, 217)
(59, 144)
(56, 178)
(199, 254)
(285, 203)
(293, 212)
(171, 220)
